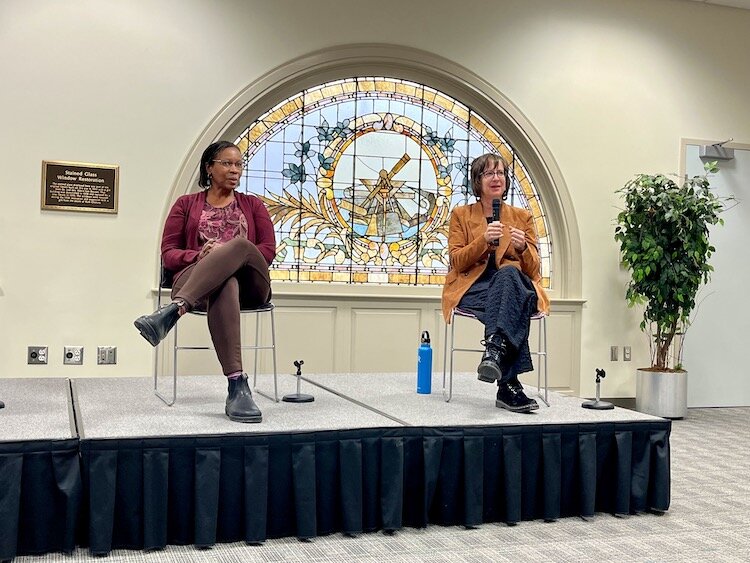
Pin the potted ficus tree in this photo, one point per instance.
(663, 233)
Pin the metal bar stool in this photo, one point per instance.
(166, 283)
(540, 352)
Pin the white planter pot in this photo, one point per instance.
(661, 393)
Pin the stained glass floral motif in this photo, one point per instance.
(360, 176)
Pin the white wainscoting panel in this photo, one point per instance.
(341, 329)
(385, 338)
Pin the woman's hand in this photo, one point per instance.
(494, 232)
(517, 239)
(208, 247)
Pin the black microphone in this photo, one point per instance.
(495, 216)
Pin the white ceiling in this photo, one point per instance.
(744, 4)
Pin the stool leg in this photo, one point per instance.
(166, 401)
(273, 351)
(542, 354)
(546, 383)
(539, 358)
(449, 395)
(255, 350)
(450, 373)
(173, 400)
(445, 356)
(157, 351)
(275, 397)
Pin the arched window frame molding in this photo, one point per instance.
(420, 66)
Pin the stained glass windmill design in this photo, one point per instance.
(360, 176)
(375, 207)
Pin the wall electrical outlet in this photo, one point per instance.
(36, 355)
(626, 353)
(613, 353)
(73, 355)
(106, 355)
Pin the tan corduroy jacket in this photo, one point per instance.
(469, 252)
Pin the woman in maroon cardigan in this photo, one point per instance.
(218, 244)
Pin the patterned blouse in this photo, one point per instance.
(222, 223)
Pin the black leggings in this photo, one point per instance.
(231, 277)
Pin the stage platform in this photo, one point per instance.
(40, 477)
(369, 453)
(473, 402)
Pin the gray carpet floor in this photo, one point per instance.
(709, 520)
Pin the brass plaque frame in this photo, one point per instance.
(80, 186)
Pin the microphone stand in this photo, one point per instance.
(298, 397)
(597, 404)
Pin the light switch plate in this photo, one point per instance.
(106, 355)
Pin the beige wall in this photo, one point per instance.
(610, 86)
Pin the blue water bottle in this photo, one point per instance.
(424, 365)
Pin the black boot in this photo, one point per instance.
(515, 384)
(494, 360)
(513, 400)
(240, 405)
(154, 327)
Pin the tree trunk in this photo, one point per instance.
(663, 345)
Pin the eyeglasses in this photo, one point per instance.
(239, 165)
(493, 174)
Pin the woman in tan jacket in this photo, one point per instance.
(495, 275)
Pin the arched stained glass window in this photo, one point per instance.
(360, 175)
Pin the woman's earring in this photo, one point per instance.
(210, 177)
